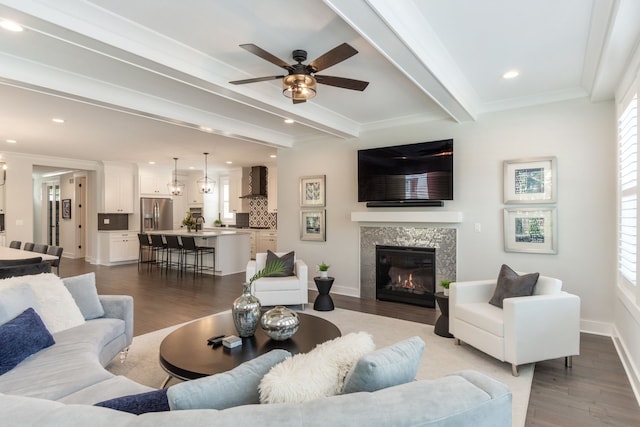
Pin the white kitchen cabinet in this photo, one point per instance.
(235, 188)
(118, 188)
(267, 240)
(3, 241)
(272, 189)
(154, 184)
(2, 200)
(123, 246)
(194, 197)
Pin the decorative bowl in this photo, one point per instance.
(280, 323)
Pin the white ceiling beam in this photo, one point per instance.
(107, 34)
(400, 33)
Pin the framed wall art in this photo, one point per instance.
(313, 225)
(66, 208)
(312, 191)
(531, 230)
(530, 180)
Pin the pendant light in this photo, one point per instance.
(206, 184)
(176, 188)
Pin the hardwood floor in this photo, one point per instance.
(594, 392)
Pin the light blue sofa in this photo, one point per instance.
(72, 370)
(58, 386)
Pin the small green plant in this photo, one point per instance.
(189, 221)
(273, 267)
(445, 283)
(323, 267)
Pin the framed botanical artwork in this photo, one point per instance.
(532, 230)
(312, 191)
(530, 180)
(66, 208)
(313, 225)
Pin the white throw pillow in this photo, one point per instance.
(54, 303)
(319, 373)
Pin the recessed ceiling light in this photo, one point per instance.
(273, 156)
(152, 162)
(206, 129)
(12, 141)
(57, 120)
(511, 74)
(289, 121)
(11, 26)
(229, 162)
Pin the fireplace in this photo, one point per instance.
(406, 274)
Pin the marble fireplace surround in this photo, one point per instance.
(417, 229)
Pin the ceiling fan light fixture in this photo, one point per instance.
(176, 188)
(299, 87)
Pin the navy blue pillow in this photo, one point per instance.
(151, 401)
(21, 337)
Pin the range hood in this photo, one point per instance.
(258, 183)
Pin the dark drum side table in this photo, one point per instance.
(323, 301)
(442, 324)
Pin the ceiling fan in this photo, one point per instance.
(300, 82)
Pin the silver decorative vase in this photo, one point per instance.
(280, 323)
(246, 312)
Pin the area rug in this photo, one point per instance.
(440, 357)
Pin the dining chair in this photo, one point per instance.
(55, 251)
(40, 248)
(28, 246)
(15, 244)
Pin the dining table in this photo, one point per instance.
(10, 254)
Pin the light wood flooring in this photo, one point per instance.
(594, 392)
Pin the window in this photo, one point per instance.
(628, 191)
(226, 208)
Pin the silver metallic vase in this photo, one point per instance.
(246, 312)
(280, 323)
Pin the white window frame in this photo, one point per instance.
(225, 205)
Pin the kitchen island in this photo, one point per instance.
(233, 247)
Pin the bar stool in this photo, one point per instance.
(145, 248)
(189, 246)
(173, 248)
(158, 246)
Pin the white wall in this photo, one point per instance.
(580, 134)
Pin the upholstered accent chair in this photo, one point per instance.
(543, 326)
(289, 290)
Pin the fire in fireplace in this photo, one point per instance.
(406, 274)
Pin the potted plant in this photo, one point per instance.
(445, 285)
(323, 268)
(218, 222)
(189, 221)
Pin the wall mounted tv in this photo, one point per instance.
(406, 175)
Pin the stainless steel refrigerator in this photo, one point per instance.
(156, 214)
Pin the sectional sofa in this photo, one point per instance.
(60, 384)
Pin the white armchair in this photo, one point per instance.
(291, 290)
(528, 329)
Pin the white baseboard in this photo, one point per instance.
(632, 374)
(596, 328)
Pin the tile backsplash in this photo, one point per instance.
(259, 215)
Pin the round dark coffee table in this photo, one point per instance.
(184, 353)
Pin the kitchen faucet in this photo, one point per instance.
(199, 223)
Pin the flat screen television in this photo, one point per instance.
(406, 175)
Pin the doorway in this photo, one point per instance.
(53, 214)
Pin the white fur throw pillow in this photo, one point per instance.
(54, 303)
(316, 374)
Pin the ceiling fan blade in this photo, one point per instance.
(255, 80)
(342, 82)
(335, 55)
(250, 47)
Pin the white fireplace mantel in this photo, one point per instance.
(450, 217)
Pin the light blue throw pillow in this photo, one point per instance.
(386, 367)
(84, 292)
(236, 387)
